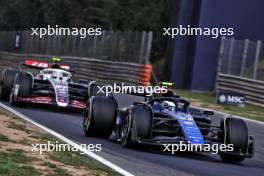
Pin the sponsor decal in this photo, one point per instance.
(188, 122)
(232, 98)
(17, 41)
(78, 104)
(40, 100)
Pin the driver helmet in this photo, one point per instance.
(55, 65)
(169, 105)
(55, 62)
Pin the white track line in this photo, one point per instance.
(224, 114)
(84, 150)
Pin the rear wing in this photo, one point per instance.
(35, 64)
(43, 65)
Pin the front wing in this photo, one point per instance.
(46, 100)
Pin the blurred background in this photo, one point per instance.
(132, 47)
(110, 15)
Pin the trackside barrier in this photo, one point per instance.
(145, 74)
(89, 68)
(252, 89)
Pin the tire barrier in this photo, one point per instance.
(144, 75)
(89, 68)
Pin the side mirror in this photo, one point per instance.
(208, 113)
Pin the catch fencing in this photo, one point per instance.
(241, 69)
(110, 57)
(130, 46)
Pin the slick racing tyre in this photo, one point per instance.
(22, 87)
(99, 117)
(139, 126)
(237, 134)
(8, 77)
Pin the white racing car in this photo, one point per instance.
(52, 85)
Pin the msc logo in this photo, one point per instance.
(235, 99)
(222, 98)
(228, 98)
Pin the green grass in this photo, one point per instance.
(25, 141)
(14, 162)
(11, 164)
(74, 159)
(4, 138)
(19, 156)
(46, 137)
(208, 100)
(77, 160)
(60, 172)
(18, 126)
(57, 171)
(50, 165)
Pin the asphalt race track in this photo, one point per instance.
(151, 161)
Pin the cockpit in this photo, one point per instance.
(161, 104)
(55, 75)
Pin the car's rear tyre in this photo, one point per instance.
(137, 126)
(236, 133)
(22, 87)
(99, 117)
(8, 77)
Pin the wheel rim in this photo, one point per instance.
(11, 96)
(87, 120)
(124, 132)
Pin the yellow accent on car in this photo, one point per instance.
(56, 59)
(166, 84)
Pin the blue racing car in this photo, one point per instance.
(164, 121)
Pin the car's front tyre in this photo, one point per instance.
(236, 133)
(22, 87)
(8, 77)
(137, 124)
(100, 117)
